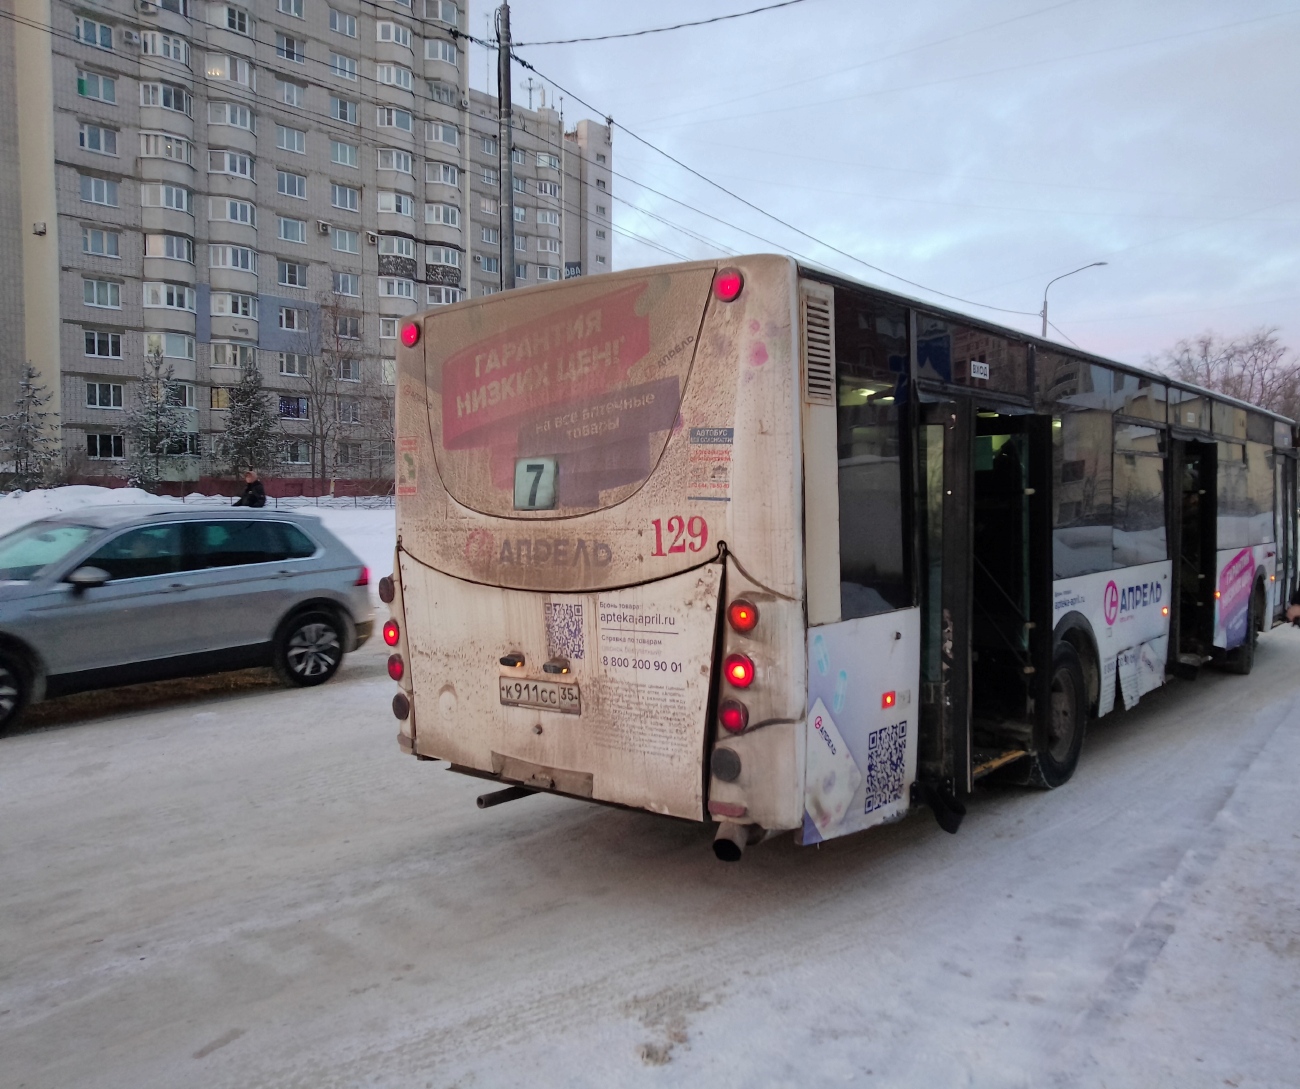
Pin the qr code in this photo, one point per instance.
(886, 764)
(564, 631)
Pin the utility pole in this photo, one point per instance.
(505, 150)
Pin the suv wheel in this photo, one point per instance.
(309, 649)
(14, 691)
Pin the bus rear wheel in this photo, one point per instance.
(1061, 739)
(1241, 660)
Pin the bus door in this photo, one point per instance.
(1284, 515)
(1193, 530)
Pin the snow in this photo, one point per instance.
(369, 532)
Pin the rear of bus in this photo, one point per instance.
(599, 584)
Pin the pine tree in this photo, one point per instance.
(157, 426)
(251, 435)
(29, 439)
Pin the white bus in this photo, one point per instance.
(756, 545)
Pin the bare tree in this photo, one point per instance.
(1257, 368)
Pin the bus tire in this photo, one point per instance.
(1241, 660)
(1062, 740)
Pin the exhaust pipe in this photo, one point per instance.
(732, 839)
(497, 797)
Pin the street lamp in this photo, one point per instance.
(1095, 264)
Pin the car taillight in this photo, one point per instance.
(391, 633)
(734, 715)
(363, 579)
(727, 284)
(739, 669)
(411, 334)
(742, 615)
(396, 667)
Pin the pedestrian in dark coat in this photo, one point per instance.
(254, 494)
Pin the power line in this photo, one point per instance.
(664, 29)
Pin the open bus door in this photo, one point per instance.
(1193, 530)
(986, 650)
(1284, 516)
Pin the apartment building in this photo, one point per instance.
(267, 185)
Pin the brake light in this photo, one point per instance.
(727, 284)
(739, 669)
(391, 633)
(734, 715)
(396, 667)
(363, 579)
(411, 334)
(888, 699)
(742, 615)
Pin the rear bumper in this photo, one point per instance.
(365, 628)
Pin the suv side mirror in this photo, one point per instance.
(84, 578)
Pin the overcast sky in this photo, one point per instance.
(977, 148)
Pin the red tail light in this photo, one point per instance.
(734, 715)
(396, 667)
(727, 284)
(739, 669)
(411, 334)
(742, 615)
(363, 579)
(391, 633)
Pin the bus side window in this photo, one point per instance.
(1082, 448)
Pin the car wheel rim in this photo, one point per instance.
(8, 693)
(1064, 717)
(313, 650)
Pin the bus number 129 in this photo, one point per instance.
(683, 535)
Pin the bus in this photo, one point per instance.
(752, 544)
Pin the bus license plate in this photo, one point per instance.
(541, 695)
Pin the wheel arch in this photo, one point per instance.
(29, 660)
(1075, 628)
(321, 604)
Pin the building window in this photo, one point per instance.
(291, 185)
(442, 92)
(550, 162)
(346, 241)
(167, 196)
(219, 397)
(600, 183)
(93, 85)
(442, 255)
(103, 395)
(293, 230)
(291, 274)
(435, 132)
(294, 319)
(174, 247)
(105, 447)
(236, 20)
(393, 159)
(290, 49)
(521, 185)
(548, 218)
(517, 156)
(342, 109)
(343, 154)
(489, 235)
(548, 245)
(600, 210)
(396, 246)
(345, 197)
(388, 372)
(347, 283)
(394, 75)
(230, 354)
(101, 243)
(342, 23)
(98, 191)
(294, 408)
(103, 293)
(521, 214)
(521, 243)
(489, 145)
(393, 32)
(89, 32)
(397, 203)
(166, 96)
(600, 258)
(489, 175)
(242, 258)
(103, 345)
(228, 162)
(390, 287)
(492, 265)
(387, 328)
(297, 452)
(442, 10)
(349, 370)
(166, 45)
(230, 113)
(348, 328)
(349, 453)
(446, 214)
(548, 272)
(437, 49)
(388, 118)
(234, 69)
(291, 94)
(600, 158)
(443, 296)
(548, 189)
(181, 395)
(232, 211)
(488, 205)
(163, 145)
(294, 140)
(100, 140)
(230, 304)
(343, 67)
(349, 411)
(488, 289)
(289, 7)
(521, 272)
(169, 345)
(293, 363)
(168, 296)
(442, 174)
(600, 235)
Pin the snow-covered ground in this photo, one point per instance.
(370, 533)
(261, 890)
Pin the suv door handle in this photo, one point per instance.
(284, 574)
(178, 586)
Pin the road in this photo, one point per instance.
(255, 888)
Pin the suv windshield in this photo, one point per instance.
(26, 552)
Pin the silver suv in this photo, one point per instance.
(105, 596)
